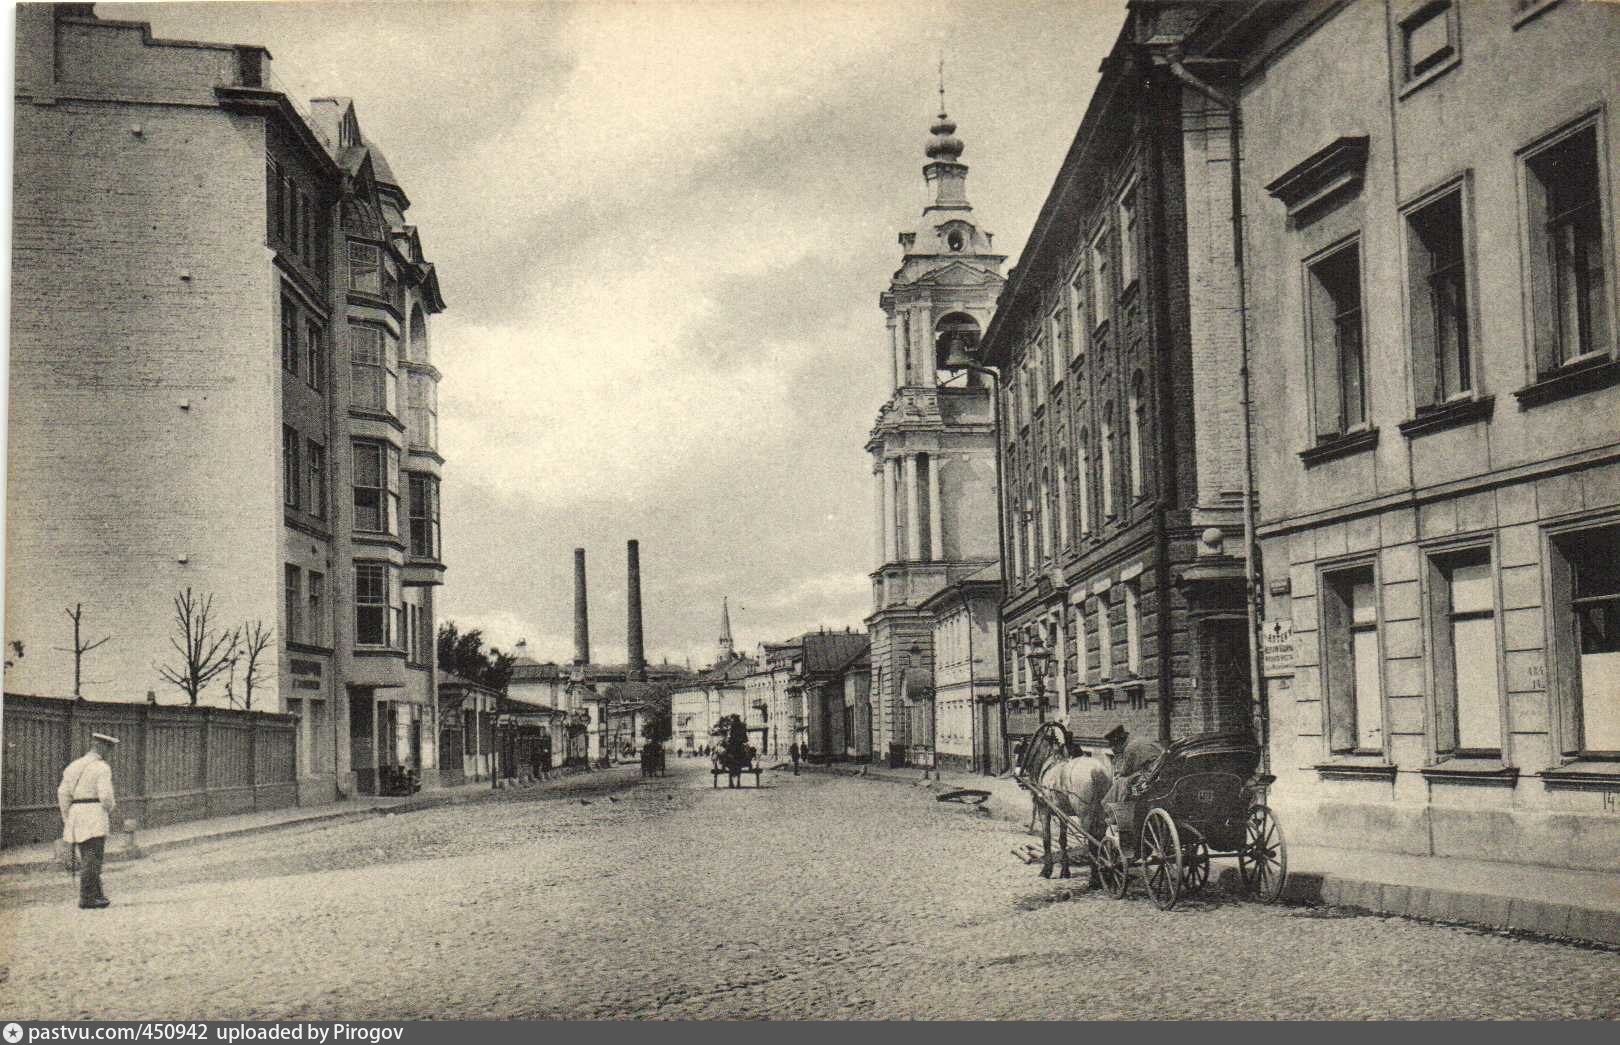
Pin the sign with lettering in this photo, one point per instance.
(1277, 648)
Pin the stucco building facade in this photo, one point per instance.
(932, 447)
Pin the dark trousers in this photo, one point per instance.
(91, 851)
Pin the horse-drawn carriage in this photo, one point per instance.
(1202, 799)
(733, 755)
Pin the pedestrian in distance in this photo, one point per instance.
(87, 803)
(793, 749)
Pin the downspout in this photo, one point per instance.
(1001, 563)
(1152, 182)
(1251, 572)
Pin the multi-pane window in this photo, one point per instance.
(1468, 693)
(1353, 683)
(376, 487)
(1079, 323)
(1082, 482)
(291, 474)
(373, 369)
(1127, 238)
(424, 411)
(1133, 628)
(1047, 527)
(272, 201)
(317, 608)
(295, 603)
(1057, 335)
(365, 269)
(317, 478)
(371, 616)
(1586, 610)
(1108, 462)
(1442, 355)
(1063, 503)
(1031, 548)
(315, 356)
(1105, 640)
(1569, 276)
(289, 335)
(1337, 359)
(1101, 284)
(424, 516)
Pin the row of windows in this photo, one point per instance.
(303, 473)
(1568, 290)
(1098, 620)
(306, 357)
(1465, 650)
(305, 608)
(293, 220)
(376, 498)
(1049, 514)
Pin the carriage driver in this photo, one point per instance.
(1131, 759)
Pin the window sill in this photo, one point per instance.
(1530, 13)
(1356, 770)
(1593, 775)
(378, 651)
(1428, 76)
(1441, 416)
(1339, 446)
(313, 648)
(1472, 769)
(1586, 375)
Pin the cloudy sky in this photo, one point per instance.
(662, 229)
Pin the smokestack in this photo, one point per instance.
(638, 658)
(582, 622)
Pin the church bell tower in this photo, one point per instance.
(932, 447)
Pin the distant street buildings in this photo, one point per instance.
(221, 380)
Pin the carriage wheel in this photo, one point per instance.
(1194, 864)
(1161, 858)
(1263, 860)
(1111, 869)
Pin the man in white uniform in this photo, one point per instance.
(85, 798)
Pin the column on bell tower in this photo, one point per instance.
(936, 533)
(913, 509)
(891, 484)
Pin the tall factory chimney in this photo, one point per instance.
(637, 669)
(582, 623)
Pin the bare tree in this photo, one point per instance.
(256, 638)
(204, 651)
(80, 647)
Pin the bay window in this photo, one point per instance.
(376, 487)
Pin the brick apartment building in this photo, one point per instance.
(1123, 479)
(221, 380)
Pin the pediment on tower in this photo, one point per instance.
(958, 274)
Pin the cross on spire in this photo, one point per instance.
(942, 84)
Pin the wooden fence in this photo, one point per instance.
(173, 763)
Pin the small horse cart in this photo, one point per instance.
(734, 755)
(1202, 799)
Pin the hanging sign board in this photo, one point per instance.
(1277, 648)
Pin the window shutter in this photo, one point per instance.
(1338, 687)
(1419, 263)
(1564, 656)
(1442, 650)
(1324, 350)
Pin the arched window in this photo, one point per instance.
(1046, 515)
(956, 334)
(1108, 462)
(1063, 504)
(419, 341)
(1030, 548)
(1138, 416)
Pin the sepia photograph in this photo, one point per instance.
(808, 510)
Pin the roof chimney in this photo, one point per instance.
(582, 623)
(637, 669)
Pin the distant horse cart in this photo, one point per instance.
(733, 755)
(1200, 801)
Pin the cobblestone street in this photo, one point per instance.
(816, 897)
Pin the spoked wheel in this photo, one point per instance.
(1111, 866)
(1263, 860)
(1161, 858)
(1194, 863)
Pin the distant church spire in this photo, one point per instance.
(725, 630)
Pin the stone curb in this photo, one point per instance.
(1479, 910)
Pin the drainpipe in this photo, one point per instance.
(1001, 561)
(1251, 572)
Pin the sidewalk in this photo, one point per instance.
(42, 856)
(1549, 901)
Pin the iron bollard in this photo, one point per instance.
(131, 850)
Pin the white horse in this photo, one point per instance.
(1076, 783)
